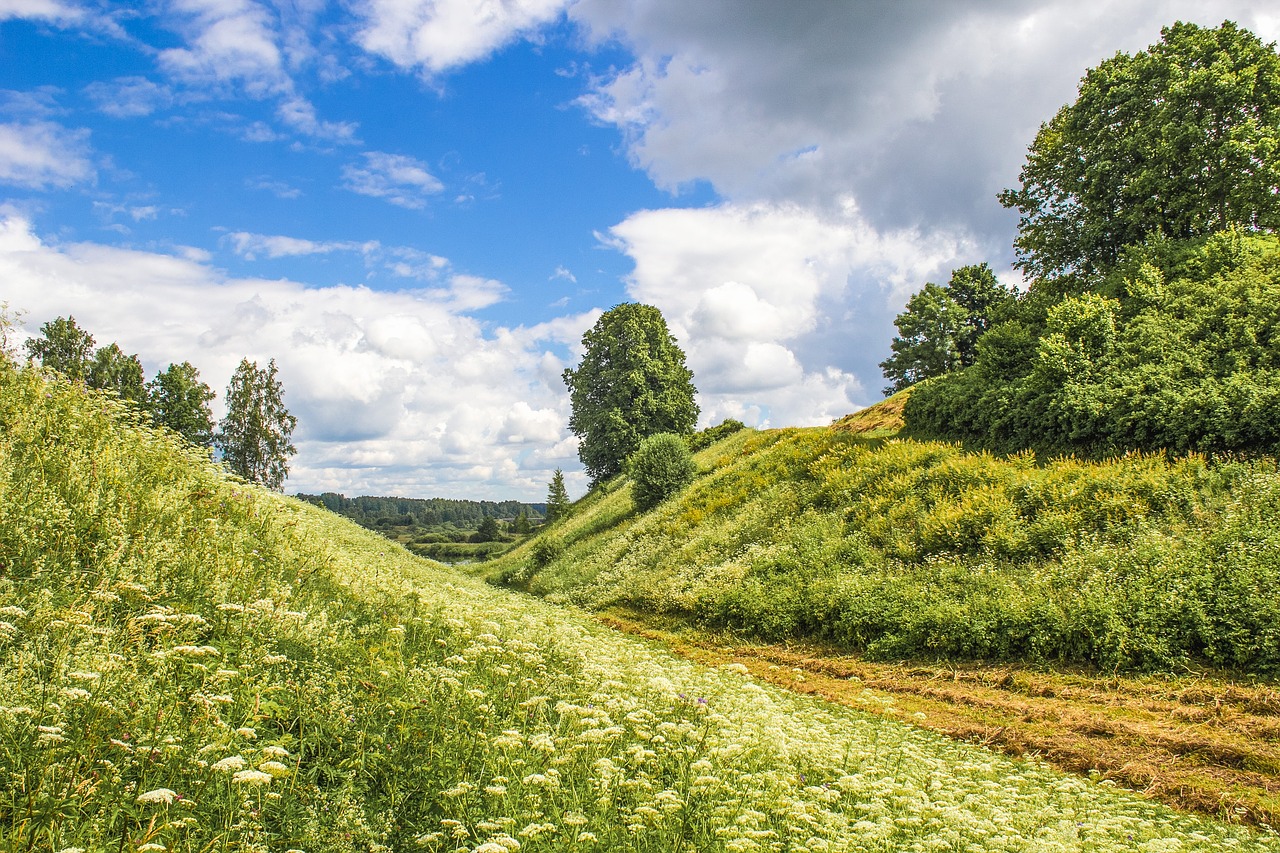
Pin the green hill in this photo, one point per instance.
(903, 549)
(188, 663)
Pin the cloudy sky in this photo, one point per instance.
(417, 207)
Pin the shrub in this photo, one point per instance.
(660, 467)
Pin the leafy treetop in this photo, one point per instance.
(1180, 140)
(939, 331)
(632, 383)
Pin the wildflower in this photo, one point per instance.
(586, 837)
(246, 732)
(163, 796)
(275, 768)
(230, 764)
(252, 777)
(71, 850)
(151, 847)
(274, 751)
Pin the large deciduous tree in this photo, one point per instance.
(254, 435)
(1180, 140)
(939, 331)
(180, 401)
(63, 346)
(632, 383)
(112, 370)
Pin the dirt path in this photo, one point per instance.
(1197, 743)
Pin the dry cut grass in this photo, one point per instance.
(1199, 743)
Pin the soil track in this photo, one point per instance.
(1199, 743)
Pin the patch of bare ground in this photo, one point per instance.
(1198, 743)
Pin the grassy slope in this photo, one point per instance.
(187, 663)
(901, 549)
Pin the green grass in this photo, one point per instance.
(188, 663)
(904, 549)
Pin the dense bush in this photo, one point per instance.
(1178, 349)
(660, 467)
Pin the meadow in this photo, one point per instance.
(904, 549)
(190, 663)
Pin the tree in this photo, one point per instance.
(632, 383)
(487, 531)
(64, 347)
(112, 370)
(558, 505)
(254, 435)
(660, 467)
(939, 331)
(180, 401)
(521, 525)
(1180, 140)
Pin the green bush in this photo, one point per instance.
(660, 467)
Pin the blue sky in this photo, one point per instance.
(417, 207)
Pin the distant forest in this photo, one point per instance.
(428, 513)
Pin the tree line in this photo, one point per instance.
(252, 439)
(1151, 320)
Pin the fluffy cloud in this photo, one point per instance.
(396, 393)
(921, 111)
(41, 154)
(397, 178)
(436, 35)
(747, 288)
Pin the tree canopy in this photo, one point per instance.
(632, 383)
(1180, 140)
(939, 331)
(180, 401)
(254, 435)
(63, 346)
(1177, 349)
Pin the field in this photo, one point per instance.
(188, 663)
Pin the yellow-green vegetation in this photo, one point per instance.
(905, 549)
(189, 663)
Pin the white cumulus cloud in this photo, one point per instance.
(395, 392)
(436, 35)
(41, 154)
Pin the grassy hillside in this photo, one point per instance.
(903, 549)
(190, 664)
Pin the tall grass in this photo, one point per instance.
(907, 549)
(187, 663)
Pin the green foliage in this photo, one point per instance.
(632, 383)
(253, 436)
(907, 549)
(1178, 350)
(487, 531)
(558, 505)
(940, 329)
(704, 438)
(180, 401)
(1180, 140)
(112, 370)
(63, 346)
(660, 467)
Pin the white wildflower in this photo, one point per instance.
(158, 795)
(275, 768)
(252, 777)
(230, 764)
